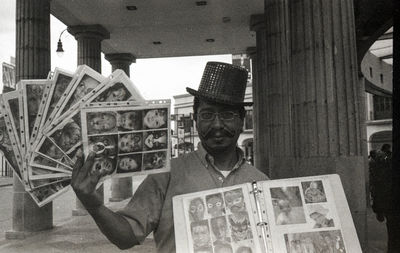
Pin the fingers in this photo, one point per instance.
(84, 168)
(77, 166)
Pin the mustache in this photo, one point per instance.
(224, 132)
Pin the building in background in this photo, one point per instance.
(8, 73)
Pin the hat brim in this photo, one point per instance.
(210, 98)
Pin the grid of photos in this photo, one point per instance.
(127, 140)
(295, 215)
(41, 129)
(219, 222)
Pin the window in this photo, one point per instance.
(382, 107)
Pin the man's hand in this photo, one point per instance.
(84, 181)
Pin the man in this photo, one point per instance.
(219, 112)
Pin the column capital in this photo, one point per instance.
(257, 22)
(89, 31)
(251, 52)
(120, 57)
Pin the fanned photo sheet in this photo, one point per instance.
(128, 138)
(307, 214)
(42, 132)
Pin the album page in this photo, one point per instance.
(308, 214)
(217, 220)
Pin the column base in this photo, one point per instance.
(16, 235)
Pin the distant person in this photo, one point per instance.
(381, 187)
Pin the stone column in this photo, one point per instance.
(32, 62)
(121, 188)
(89, 39)
(260, 107)
(314, 97)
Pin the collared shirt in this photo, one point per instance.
(150, 209)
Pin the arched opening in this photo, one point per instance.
(379, 138)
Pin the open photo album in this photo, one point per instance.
(46, 124)
(307, 214)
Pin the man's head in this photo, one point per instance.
(386, 148)
(218, 105)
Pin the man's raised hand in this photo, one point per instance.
(84, 181)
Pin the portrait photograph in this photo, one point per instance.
(117, 92)
(101, 122)
(313, 191)
(129, 120)
(219, 229)
(318, 242)
(60, 86)
(68, 135)
(155, 118)
(130, 142)
(240, 227)
(288, 206)
(154, 140)
(84, 87)
(51, 150)
(103, 145)
(321, 216)
(234, 201)
(196, 209)
(129, 163)
(201, 237)
(155, 160)
(33, 98)
(215, 205)
(103, 165)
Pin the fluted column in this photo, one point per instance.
(312, 56)
(261, 108)
(121, 188)
(32, 62)
(89, 39)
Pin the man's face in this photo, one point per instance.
(218, 135)
(128, 143)
(154, 119)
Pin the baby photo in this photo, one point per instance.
(156, 160)
(101, 122)
(313, 191)
(129, 163)
(104, 145)
(155, 140)
(129, 120)
(117, 92)
(155, 118)
(130, 142)
(287, 204)
(321, 216)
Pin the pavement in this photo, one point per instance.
(6, 181)
(80, 234)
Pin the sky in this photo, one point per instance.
(158, 78)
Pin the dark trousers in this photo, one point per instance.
(393, 230)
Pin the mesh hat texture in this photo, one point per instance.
(222, 83)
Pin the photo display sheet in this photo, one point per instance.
(41, 127)
(131, 138)
(308, 214)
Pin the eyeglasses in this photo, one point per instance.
(210, 116)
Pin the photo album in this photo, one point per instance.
(46, 124)
(306, 214)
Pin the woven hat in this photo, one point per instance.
(222, 83)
